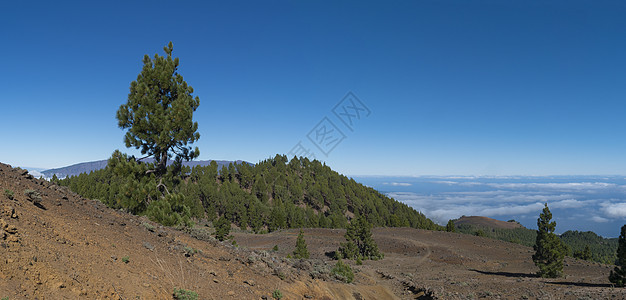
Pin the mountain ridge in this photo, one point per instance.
(90, 166)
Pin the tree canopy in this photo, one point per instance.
(272, 194)
(159, 112)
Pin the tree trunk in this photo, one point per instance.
(162, 163)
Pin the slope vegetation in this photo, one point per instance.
(273, 194)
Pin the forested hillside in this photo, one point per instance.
(600, 249)
(275, 193)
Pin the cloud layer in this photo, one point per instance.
(592, 201)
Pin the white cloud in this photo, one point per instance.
(36, 174)
(569, 203)
(599, 219)
(574, 186)
(614, 210)
(398, 183)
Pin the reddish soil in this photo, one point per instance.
(68, 247)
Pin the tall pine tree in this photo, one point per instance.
(549, 249)
(159, 112)
(618, 275)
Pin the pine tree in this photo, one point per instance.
(618, 275)
(159, 112)
(549, 250)
(301, 251)
(360, 243)
(222, 228)
(450, 226)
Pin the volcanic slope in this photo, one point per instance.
(68, 247)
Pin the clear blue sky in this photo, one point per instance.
(453, 87)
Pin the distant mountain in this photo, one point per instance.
(486, 222)
(91, 166)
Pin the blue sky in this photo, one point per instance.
(453, 87)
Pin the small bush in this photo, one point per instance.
(277, 294)
(148, 226)
(183, 294)
(190, 251)
(343, 272)
(275, 249)
(9, 194)
(33, 196)
(126, 259)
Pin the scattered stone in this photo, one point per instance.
(249, 282)
(231, 293)
(148, 246)
(11, 229)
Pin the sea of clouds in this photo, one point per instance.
(584, 203)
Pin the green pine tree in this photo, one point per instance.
(450, 226)
(222, 228)
(301, 251)
(618, 275)
(159, 112)
(549, 250)
(360, 243)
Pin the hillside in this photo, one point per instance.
(602, 250)
(69, 247)
(88, 167)
(486, 222)
(273, 194)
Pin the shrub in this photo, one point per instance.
(33, 196)
(190, 251)
(148, 226)
(343, 272)
(9, 194)
(126, 259)
(183, 294)
(275, 248)
(277, 294)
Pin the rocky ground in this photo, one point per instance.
(67, 247)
